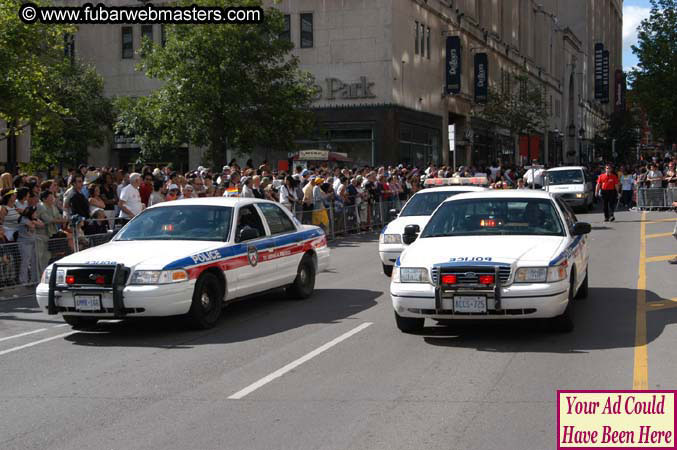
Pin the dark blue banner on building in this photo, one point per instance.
(453, 66)
(619, 91)
(481, 77)
(599, 70)
(605, 77)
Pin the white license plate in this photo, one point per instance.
(88, 302)
(475, 304)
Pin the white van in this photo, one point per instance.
(574, 184)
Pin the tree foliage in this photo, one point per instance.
(31, 58)
(654, 80)
(622, 127)
(224, 85)
(518, 106)
(78, 88)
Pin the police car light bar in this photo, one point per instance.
(456, 181)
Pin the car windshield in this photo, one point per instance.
(180, 223)
(424, 203)
(495, 216)
(573, 176)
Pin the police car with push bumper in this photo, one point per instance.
(186, 257)
(417, 211)
(513, 254)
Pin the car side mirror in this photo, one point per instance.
(410, 233)
(248, 233)
(393, 213)
(581, 228)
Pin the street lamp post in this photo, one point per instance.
(572, 135)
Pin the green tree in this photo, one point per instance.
(31, 56)
(64, 140)
(518, 106)
(224, 85)
(622, 127)
(655, 77)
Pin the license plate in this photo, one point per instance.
(475, 304)
(88, 302)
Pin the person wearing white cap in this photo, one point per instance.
(172, 192)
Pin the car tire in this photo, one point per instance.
(388, 270)
(207, 303)
(79, 322)
(409, 324)
(583, 290)
(304, 283)
(564, 323)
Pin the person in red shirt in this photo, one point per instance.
(146, 188)
(608, 185)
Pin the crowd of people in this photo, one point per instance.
(35, 210)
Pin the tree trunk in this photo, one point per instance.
(217, 144)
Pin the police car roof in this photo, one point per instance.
(213, 201)
(503, 193)
(555, 169)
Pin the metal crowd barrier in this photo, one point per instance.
(656, 198)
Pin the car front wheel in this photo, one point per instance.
(388, 270)
(205, 308)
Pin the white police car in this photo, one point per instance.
(186, 257)
(513, 254)
(417, 211)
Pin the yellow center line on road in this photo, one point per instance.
(660, 258)
(667, 304)
(661, 220)
(659, 235)
(640, 379)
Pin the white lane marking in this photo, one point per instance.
(292, 365)
(59, 326)
(31, 344)
(23, 334)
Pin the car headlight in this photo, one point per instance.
(60, 276)
(411, 275)
(531, 275)
(580, 195)
(390, 239)
(557, 273)
(158, 276)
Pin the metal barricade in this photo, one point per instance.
(656, 198)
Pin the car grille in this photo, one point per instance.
(86, 276)
(470, 275)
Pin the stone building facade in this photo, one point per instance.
(380, 68)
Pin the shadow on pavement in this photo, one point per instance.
(605, 320)
(255, 317)
(353, 240)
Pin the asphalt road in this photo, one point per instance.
(334, 372)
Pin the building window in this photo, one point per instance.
(163, 35)
(147, 32)
(428, 42)
(422, 40)
(127, 43)
(416, 38)
(69, 46)
(286, 31)
(307, 30)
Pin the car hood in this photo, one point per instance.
(531, 250)
(397, 225)
(150, 255)
(566, 188)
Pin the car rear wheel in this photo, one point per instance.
(205, 308)
(409, 324)
(388, 270)
(564, 323)
(79, 322)
(304, 283)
